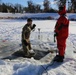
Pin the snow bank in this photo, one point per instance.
(71, 16)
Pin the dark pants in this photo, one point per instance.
(26, 46)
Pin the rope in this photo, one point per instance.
(50, 64)
(45, 69)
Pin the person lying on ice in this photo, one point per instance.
(26, 30)
(61, 33)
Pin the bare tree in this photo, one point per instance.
(46, 4)
(18, 8)
(61, 2)
(31, 7)
(73, 5)
(37, 8)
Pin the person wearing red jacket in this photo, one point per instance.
(61, 33)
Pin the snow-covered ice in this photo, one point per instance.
(10, 35)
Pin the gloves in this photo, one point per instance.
(33, 26)
(55, 34)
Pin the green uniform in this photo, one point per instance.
(25, 38)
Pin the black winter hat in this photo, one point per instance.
(61, 8)
(29, 19)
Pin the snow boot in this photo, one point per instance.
(30, 54)
(56, 57)
(59, 58)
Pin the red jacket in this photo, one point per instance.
(62, 25)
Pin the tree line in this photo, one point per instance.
(36, 8)
(70, 3)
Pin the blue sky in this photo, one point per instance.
(24, 2)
